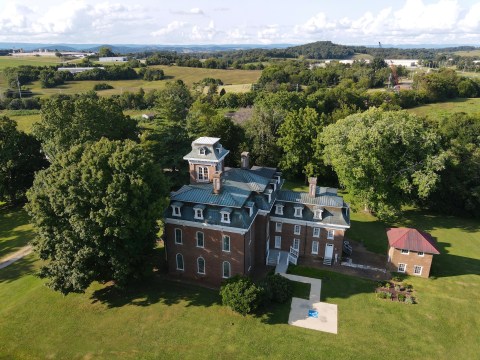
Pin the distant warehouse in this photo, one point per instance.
(113, 59)
(76, 70)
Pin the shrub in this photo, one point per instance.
(382, 295)
(397, 287)
(241, 294)
(279, 288)
(401, 297)
(102, 86)
(409, 300)
(388, 295)
(397, 277)
(409, 287)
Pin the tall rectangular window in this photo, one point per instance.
(331, 234)
(200, 239)
(297, 229)
(278, 227)
(226, 243)
(178, 236)
(402, 268)
(296, 244)
(315, 247)
(278, 242)
(316, 232)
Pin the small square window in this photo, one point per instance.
(405, 251)
(420, 253)
(297, 229)
(225, 217)
(402, 268)
(298, 212)
(279, 209)
(316, 232)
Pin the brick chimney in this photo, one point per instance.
(312, 186)
(217, 182)
(245, 159)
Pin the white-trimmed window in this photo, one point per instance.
(202, 173)
(405, 251)
(268, 193)
(226, 243)
(331, 234)
(278, 227)
(296, 244)
(297, 229)
(316, 232)
(298, 211)
(226, 270)
(176, 209)
(201, 151)
(200, 239)
(402, 267)
(198, 209)
(279, 209)
(179, 259)
(317, 214)
(278, 242)
(201, 265)
(225, 215)
(417, 270)
(421, 253)
(178, 236)
(315, 247)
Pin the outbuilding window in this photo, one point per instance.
(180, 265)
(226, 270)
(201, 265)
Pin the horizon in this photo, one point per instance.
(249, 23)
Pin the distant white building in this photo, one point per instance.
(403, 62)
(113, 59)
(76, 70)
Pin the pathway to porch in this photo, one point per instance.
(312, 313)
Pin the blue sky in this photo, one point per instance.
(241, 22)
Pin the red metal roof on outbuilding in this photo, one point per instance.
(411, 239)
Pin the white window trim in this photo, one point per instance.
(203, 239)
(317, 214)
(201, 173)
(316, 232)
(176, 211)
(280, 242)
(229, 270)
(298, 212)
(421, 253)
(183, 262)
(198, 266)
(414, 268)
(295, 227)
(278, 227)
(315, 242)
(333, 234)
(279, 209)
(223, 243)
(223, 219)
(181, 236)
(404, 268)
(404, 251)
(198, 214)
(296, 241)
(201, 151)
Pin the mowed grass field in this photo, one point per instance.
(466, 105)
(164, 319)
(11, 61)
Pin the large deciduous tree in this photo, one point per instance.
(68, 121)
(95, 212)
(384, 159)
(20, 158)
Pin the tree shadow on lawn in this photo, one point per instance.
(427, 221)
(11, 237)
(448, 265)
(18, 269)
(156, 289)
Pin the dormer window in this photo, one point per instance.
(176, 209)
(198, 212)
(317, 213)
(250, 206)
(279, 209)
(298, 211)
(202, 151)
(268, 193)
(225, 215)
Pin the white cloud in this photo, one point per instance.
(170, 28)
(471, 21)
(193, 11)
(202, 34)
(317, 24)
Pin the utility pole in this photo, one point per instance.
(18, 87)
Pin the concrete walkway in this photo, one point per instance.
(312, 313)
(10, 259)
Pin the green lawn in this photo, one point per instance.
(466, 105)
(10, 61)
(15, 232)
(164, 319)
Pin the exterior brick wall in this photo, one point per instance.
(410, 260)
(193, 172)
(260, 231)
(211, 252)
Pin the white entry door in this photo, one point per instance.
(328, 251)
